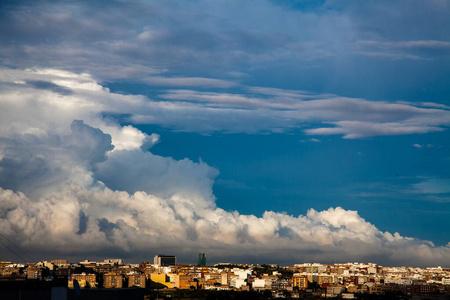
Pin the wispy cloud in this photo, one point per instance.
(418, 189)
(247, 109)
(427, 44)
(422, 49)
(189, 81)
(432, 186)
(350, 117)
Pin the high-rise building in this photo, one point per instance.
(201, 261)
(162, 260)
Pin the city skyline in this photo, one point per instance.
(347, 280)
(257, 131)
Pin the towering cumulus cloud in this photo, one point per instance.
(76, 183)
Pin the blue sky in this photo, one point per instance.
(271, 121)
(284, 173)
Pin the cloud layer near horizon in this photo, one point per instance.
(75, 181)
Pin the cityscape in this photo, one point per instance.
(224, 149)
(164, 277)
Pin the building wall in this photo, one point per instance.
(238, 283)
(34, 273)
(112, 280)
(184, 281)
(301, 282)
(83, 280)
(136, 280)
(259, 283)
(161, 278)
(164, 260)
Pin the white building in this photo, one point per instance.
(259, 283)
(238, 283)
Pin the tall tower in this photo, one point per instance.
(201, 261)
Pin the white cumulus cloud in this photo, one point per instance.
(76, 183)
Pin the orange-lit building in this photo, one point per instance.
(300, 281)
(84, 280)
(185, 281)
(112, 280)
(136, 280)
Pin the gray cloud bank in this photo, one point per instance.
(77, 184)
(143, 40)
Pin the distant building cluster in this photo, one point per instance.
(321, 280)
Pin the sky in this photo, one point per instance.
(253, 131)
